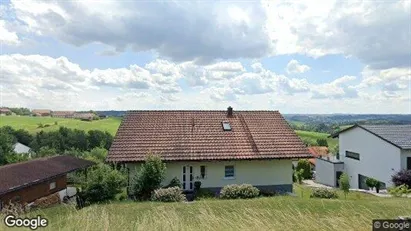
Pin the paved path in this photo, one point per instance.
(311, 183)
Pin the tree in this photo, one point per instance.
(322, 142)
(345, 184)
(44, 152)
(402, 177)
(97, 154)
(23, 136)
(149, 177)
(299, 175)
(304, 165)
(103, 184)
(7, 142)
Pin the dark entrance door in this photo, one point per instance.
(337, 176)
(409, 163)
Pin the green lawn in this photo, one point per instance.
(110, 124)
(274, 213)
(313, 136)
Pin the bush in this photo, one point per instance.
(173, 194)
(242, 191)
(204, 193)
(175, 182)
(344, 183)
(323, 193)
(298, 175)
(402, 177)
(149, 177)
(268, 193)
(304, 164)
(103, 184)
(197, 185)
(322, 142)
(371, 182)
(399, 190)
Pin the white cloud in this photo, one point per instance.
(337, 89)
(294, 67)
(7, 37)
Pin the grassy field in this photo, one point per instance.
(31, 123)
(313, 136)
(274, 213)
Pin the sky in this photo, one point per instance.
(296, 56)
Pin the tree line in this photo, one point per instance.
(62, 141)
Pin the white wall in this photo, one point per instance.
(404, 155)
(255, 172)
(326, 172)
(378, 158)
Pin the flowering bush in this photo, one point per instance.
(242, 191)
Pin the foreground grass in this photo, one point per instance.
(317, 135)
(275, 213)
(31, 123)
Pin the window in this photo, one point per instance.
(52, 185)
(226, 126)
(352, 155)
(229, 171)
(203, 171)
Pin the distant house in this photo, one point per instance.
(370, 151)
(317, 151)
(21, 148)
(217, 148)
(4, 111)
(25, 182)
(84, 115)
(63, 114)
(41, 112)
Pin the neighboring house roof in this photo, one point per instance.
(23, 174)
(62, 113)
(4, 110)
(317, 151)
(40, 111)
(397, 135)
(199, 135)
(21, 148)
(83, 115)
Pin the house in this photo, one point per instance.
(5, 111)
(21, 148)
(27, 181)
(84, 115)
(217, 148)
(63, 114)
(41, 112)
(371, 151)
(317, 151)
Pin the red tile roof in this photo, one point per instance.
(23, 174)
(317, 151)
(199, 135)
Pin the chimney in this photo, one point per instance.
(229, 111)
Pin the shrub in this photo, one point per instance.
(322, 142)
(323, 193)
(304, 164)
(197, 185)
(175, 182)
(149, 177)
(242, 191)
(402, 177)
(344, 183)
(47, 125)
(40, 125)
(103, 184)
(371, 182)
(268, 193)
(298, 174)
(399, 190)
(173, 194)
(205, 193)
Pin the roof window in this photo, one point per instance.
(226, 126)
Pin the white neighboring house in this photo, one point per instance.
(376, 151)
(20, 148)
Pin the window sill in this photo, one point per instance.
(229, 178)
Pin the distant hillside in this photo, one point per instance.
(32, 124)
(344, 119)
